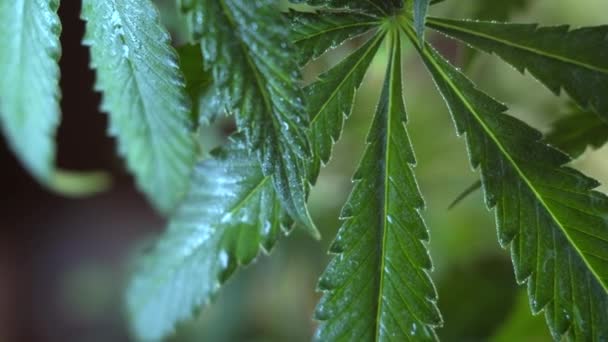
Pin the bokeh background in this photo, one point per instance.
(63, 262)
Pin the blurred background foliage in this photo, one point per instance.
(63, 262)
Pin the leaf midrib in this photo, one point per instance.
(393, 64)
(152, 137)
(564, 59)
(386, 162)
(258, 78)
(520, 172)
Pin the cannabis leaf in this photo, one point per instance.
(577, 131)
(549, 215)
(255, 71)
(331, 99)
(143, 90)
(576, 60)
(230, 212)
(377, 286)
(29, 82)
(572, 134)
(315, 33)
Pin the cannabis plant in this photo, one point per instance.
(225, 206)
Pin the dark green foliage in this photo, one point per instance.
(246, 47)
(577, 131)
(331, 98)
(315, 33)
(554, 223)
(199, 84)
(377, 286)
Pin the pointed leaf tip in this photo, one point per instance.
(29, 83)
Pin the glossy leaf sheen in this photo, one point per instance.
(377, 287)
(331, 99)
(315, 33)
(230, 212)
(554, 223)
(144, 93)
(246, 46)
(29, 81)
(575, 60)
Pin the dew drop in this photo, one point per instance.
(223, 259)
(226, 218)
(413, 329)
(125, 51)
(266, 228)
(389, 218)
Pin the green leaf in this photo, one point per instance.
(554, 223)
(577, 131)
(421, 8)
(331, 99)
(245, 44)
(377, 286)
(571, 134)
(144, 93)
(230, 212)
(576, 60)
(379, 8)
(315, 33)
(29, 85)
(206, 107)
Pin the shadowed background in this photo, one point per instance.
(63, 262)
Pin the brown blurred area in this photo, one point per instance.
(51, 245)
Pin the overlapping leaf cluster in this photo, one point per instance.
(240, 197)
